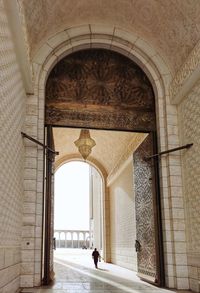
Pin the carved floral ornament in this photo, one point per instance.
(101, 89)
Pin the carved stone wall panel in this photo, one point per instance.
(189, 120)
(144, 202)
(187, 70)
(99, 89)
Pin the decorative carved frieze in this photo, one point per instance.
(142, 121)
(186, 74)
(99, 89)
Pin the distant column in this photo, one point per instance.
(59, 239)
(72, 240)
(65, 240)
(84, 239)
(78, 239)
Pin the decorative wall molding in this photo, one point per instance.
(100, 36)
(186, 77)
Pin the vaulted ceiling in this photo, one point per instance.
(172, 27)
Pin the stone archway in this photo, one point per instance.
(101, 89)
(98, 167)
(137, 49)
(98, 194)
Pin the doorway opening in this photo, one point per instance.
(102, 90)
(114, 202)
(78, 215)
(71, 211)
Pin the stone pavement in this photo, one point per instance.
(75, 273)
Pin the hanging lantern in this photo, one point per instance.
(85, 143)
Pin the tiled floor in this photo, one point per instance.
(75, 273)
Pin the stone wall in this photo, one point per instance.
(12, 113)
(33, 198)
(122, 219)
(189, 125)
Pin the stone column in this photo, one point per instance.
(65, 240)
(72, 239)
(78, 239)
(59, 239)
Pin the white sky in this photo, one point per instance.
(72, 197)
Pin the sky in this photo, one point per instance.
(72, 197)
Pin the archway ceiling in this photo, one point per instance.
(172, 27)
(110, 145)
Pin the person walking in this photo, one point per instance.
(96, 257)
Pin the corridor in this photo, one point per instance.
(75, 273)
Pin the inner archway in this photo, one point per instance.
(71, 189)
(78, 215)
(77, 223)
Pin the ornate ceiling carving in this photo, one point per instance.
(99, 89)
(172, 27)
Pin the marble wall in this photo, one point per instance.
(189, 126)
(12, 116)
(122, 219)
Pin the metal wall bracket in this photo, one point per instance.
(187, 146)
(39, 143)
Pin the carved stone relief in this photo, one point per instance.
(185, 72)
(145, 206)
(99, 89)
